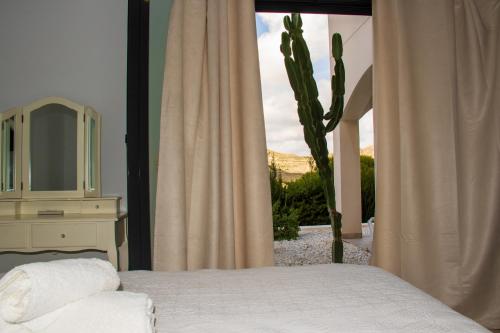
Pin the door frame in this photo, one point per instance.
(138, 108)
(136, 139)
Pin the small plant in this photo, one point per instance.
(285, 222)
(311, 115)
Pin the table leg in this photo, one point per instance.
(112, 256)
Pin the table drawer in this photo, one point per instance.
(12, 236)
(56, 235)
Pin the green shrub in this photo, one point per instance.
(367, 187)
(277, 185)
(285, 219)
(306, 195)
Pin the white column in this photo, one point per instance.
(347, 177)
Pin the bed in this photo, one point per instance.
(317, 298)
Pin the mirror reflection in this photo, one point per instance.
(91, 153)
(53, 148)
(8, 154)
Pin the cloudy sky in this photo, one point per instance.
(283, 129)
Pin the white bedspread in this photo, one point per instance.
(320, 298)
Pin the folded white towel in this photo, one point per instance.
(106, 312)
(32, 290)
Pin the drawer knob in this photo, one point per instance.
(63, 235)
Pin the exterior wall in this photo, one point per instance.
(75, 49)
(357, 39)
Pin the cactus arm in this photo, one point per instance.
(338, 85)
(331, 112)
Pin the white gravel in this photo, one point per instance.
(314, 247)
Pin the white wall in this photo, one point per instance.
(357, 37)
(75, 49)
(357, 40)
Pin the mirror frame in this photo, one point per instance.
(79, 109)
(92, 114)
(17, 114)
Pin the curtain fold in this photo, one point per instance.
(437, 129)
(213, 206)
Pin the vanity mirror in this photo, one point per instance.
(8, 156)
(50, 148)
(10, 153)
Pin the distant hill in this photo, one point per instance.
(368, 151)
(293, 166)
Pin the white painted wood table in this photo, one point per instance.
(67, 233)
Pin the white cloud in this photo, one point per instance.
(283, 129)
(366, 130)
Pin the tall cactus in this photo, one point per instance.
(300, 74)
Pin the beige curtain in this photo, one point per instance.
(213, 207)
(437, 135)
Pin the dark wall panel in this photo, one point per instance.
(347, 7)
